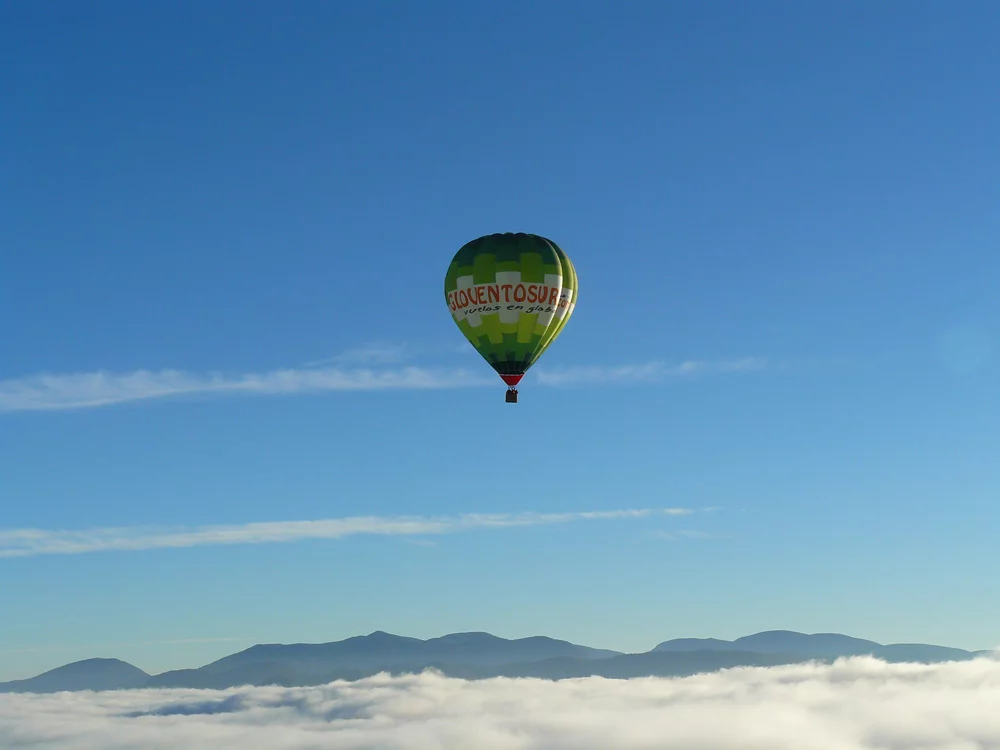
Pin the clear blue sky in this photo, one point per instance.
(255, 203)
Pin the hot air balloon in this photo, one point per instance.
(511, 294)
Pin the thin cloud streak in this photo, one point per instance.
(674, 536)
(651, 372)
(83, 390)
(31, 542)
(375, 353)
(52, 392)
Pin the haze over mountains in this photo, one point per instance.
(477, 656)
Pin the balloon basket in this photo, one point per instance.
(511, 396)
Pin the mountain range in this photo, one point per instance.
(478, 656)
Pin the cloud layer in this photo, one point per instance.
(854, 704)
(49, 392)
(29, 542)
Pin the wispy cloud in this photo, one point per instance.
(49, 392)
(650, 372)
(417, 541)
(28, 542)
(688, 534)
(82, 390)
(853, 704)
(376, 353)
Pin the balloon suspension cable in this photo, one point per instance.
(511, 395)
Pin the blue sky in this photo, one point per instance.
(223, 239)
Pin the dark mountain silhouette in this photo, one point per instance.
(625, 666)
(695, 644)
(820, 645)
(369, 654)
(779, 641)
(922, 652)
(478, 656)
(89, 674)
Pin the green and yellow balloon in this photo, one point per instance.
(511, 295)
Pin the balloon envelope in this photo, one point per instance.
(511, 294)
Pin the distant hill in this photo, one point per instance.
(89, 674)
(821, 645)
(779, 641)
(478, 656)
(312, 663)
(626, 666)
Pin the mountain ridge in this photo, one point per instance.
(477, 655)
(87, 674)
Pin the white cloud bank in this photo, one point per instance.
(29, 542)
(854, 704)
(50, 392)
